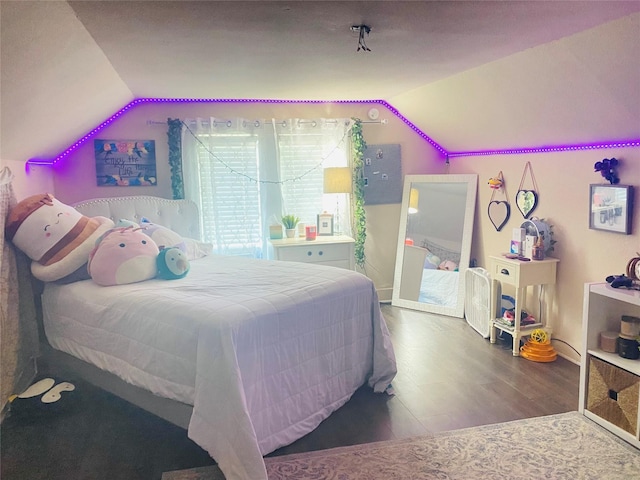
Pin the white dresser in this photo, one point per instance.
(335, 251)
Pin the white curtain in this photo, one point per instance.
(245, 174)
(18, 328)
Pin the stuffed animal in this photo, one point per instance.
(163, 236)
(123, 255)
(172, 263)
(448, 265)
(495, 183)
(56, 237)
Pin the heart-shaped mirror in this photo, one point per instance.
(526, 200)
(499, 212)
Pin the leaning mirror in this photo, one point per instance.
(434, 242)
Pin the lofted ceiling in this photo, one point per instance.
(307, 49)
(489, 69)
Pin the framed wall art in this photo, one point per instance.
(125, 163)
(325, 224)
(610, 208)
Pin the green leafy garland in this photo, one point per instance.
(174, 133)
(360, 221)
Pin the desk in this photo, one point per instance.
(521, 275)
(335, 250)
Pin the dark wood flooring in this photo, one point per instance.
(449, 377)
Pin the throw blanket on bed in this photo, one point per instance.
(264, 350)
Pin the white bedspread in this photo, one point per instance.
(439, 287)
(263, 350)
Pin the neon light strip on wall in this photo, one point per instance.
(445, 153)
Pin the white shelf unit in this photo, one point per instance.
(602, 311)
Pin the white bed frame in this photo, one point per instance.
(180, 216)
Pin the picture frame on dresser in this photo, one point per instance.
(325, 223)
(610, 208)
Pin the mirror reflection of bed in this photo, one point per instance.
(434, 242)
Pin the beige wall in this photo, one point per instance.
(58, 83)
(74, 176)
(562, 178)
(585, 255)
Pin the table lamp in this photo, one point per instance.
(337, 180)
(414, 195)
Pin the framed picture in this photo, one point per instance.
(325, 224)
(610, 208)
(125, 163)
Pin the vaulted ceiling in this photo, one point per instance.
(471, 74)
(307, 49)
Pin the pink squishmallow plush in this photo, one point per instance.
(448, 265)
(123, 255)
(55, 236)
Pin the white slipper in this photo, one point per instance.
(53, 395)
(38, 388)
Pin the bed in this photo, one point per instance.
(248, 355)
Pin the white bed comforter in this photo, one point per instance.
(263, 350)
(439, 287)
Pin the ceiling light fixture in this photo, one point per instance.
(361, 29)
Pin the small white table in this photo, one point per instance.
(520, 274)
(336, 251)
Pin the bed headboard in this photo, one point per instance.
(181, 216)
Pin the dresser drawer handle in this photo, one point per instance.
(309, 253)
(504, 271)
(320, 252)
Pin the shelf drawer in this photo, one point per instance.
(613, 394)
(315, 253)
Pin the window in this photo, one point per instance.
(245, 180)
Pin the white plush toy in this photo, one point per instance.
(55, 236)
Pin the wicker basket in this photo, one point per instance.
(613, 395)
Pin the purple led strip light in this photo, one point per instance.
(518, 151)
(72, 148)
(554, 148)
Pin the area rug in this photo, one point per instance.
(563, 446)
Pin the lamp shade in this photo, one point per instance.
(337, 180)
(414, 195)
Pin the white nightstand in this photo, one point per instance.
(335, 251)
(520, 275)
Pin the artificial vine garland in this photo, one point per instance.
(360, 222)
(174, 134)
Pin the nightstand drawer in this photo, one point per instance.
(521, 274)
(505, 272)
(315, 253)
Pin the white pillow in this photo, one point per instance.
(431, 261)
(196, 249)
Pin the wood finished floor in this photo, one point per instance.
(449, 377)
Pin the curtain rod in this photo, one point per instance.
(382, 121)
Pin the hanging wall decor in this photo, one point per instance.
(610, 208)
(382, 174)
(125, 163)
(527, 200)
(499, 210)
(607, 168)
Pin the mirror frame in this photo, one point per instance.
(469, 216)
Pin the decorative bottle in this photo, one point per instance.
(537, 252)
